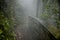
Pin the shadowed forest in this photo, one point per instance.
(29, 19)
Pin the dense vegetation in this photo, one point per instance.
(6, 28)
(6, 32)
(51, 15)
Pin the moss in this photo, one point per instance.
(54, 30)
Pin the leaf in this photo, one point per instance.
(13, 34)
(1, 31)
(6, 28)
(7, 38)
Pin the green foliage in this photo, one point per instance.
(44, 16)
(55, 31)
(6, 28)
(6, 32)
(1, 31)
(51, 9)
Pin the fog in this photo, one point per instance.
(27, 26)
(31, 20)
(25, 8)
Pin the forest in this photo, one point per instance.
(29, 19)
